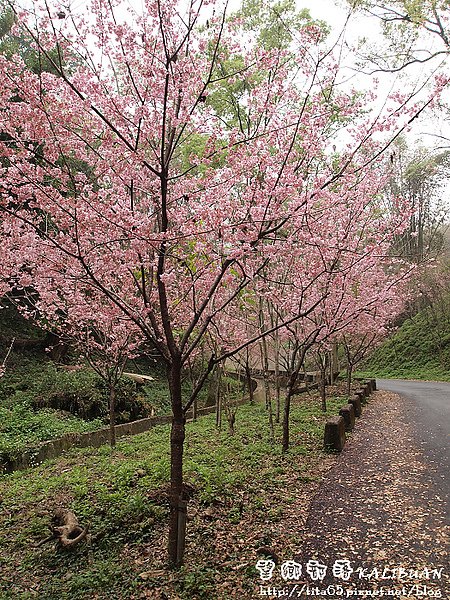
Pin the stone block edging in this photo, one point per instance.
(334, 437)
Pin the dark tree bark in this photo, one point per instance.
(219, 373)
(277, 378)
(248, 376)
(287, 410)
(323, 389)
(265, 363)
(177, 436)
(231, 422)
(349, 377)
(112, 414)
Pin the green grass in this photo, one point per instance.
(420, 373)
(75, 398)
(39, 402)
(14, 325)
(22, 427)
(35, 379)
(120, 494)
(420, 349)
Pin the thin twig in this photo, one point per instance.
(3, 365)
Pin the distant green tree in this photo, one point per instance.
(421, 176)
(275, 25)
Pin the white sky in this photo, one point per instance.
(426, 130)
(334, 12)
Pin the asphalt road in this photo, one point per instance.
(429, 413)
(382, 504)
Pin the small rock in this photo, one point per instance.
(151, 574)
(268, 553)
(209, 513)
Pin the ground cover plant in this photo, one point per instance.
(23, 428)
(40, 401)
(241, 487)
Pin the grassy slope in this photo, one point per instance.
(420, 349)
(31, 377)
(245, 480)
(28, 373)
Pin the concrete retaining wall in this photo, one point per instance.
(100, 437)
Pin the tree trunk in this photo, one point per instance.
(193, 385)
(112, 415)
(269, 406)
(267, 391)
(231, 422)
(286, 416)
(265, 365)
(334, 363)
(323, 389)
(248, 375)
(219, 396)
(287, 404)
(349, 378)
(277, 378)
(177, 518)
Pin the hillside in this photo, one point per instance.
(419, 349)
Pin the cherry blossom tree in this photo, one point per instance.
(119, 175)
(363, 310)
(380, 304)
(356, 347)
(78, 315)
